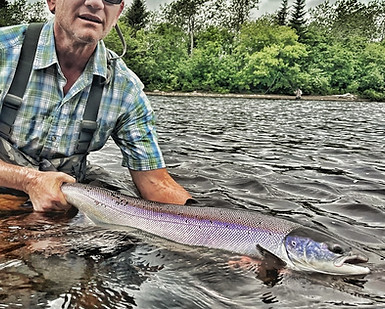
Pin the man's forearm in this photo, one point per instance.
(159, 186)
(16, 177)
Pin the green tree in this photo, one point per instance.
(184, 14)
(215, 13)
(340, 63)
(212, 65)
(136, 15)
(353, 19)
(298, 20)
(372, 71)
(21, 11)
(271, 58)
(4, 16)
(240, 12)
(378, 8)
(155, 55)
(350, 20)
(283, 13)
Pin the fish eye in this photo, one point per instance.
(335, 248)
(293, 243)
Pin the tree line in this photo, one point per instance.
(21, 11)
(218, 46)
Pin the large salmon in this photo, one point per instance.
(240, 231)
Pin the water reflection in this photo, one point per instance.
(318, 163)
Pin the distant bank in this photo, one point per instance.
(342, 97)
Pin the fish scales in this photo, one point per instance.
(228, 229)
(240, 231)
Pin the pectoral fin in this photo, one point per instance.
(270, 270)
(270, 258)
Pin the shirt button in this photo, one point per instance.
(53, 138)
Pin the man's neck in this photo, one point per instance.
(73, 58)
(72, 65)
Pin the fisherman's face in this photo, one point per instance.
(85, 21)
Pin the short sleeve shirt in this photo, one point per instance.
(48, 121)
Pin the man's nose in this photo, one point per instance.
(95, 4)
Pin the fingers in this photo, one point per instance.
(45, 191)
(62, 201)
(67, 178)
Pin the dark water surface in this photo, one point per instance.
(320, 164)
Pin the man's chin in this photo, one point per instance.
(89, 33)
(89, 37)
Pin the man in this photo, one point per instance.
(70, 52)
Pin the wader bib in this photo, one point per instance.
(74, 165)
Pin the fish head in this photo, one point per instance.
(317, 252)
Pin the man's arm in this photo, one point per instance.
(43, 188)
(157, 185)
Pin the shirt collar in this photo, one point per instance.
(46, 53)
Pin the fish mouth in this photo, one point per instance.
(344, 265)
(352, 259)
(349, 264)
(348, 269)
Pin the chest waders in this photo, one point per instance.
(74, 165)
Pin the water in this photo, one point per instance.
(317, 163)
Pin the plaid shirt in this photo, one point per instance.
(48, 122)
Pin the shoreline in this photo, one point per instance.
(343, 97)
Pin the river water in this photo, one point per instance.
(320, 164)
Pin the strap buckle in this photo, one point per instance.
(87, 130)
(88, 125)
(11, 105)
(12, 101)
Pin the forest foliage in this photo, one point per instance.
(218, 46)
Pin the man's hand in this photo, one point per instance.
(44, 190)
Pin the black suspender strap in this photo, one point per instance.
(14, 97)
(88, 124)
